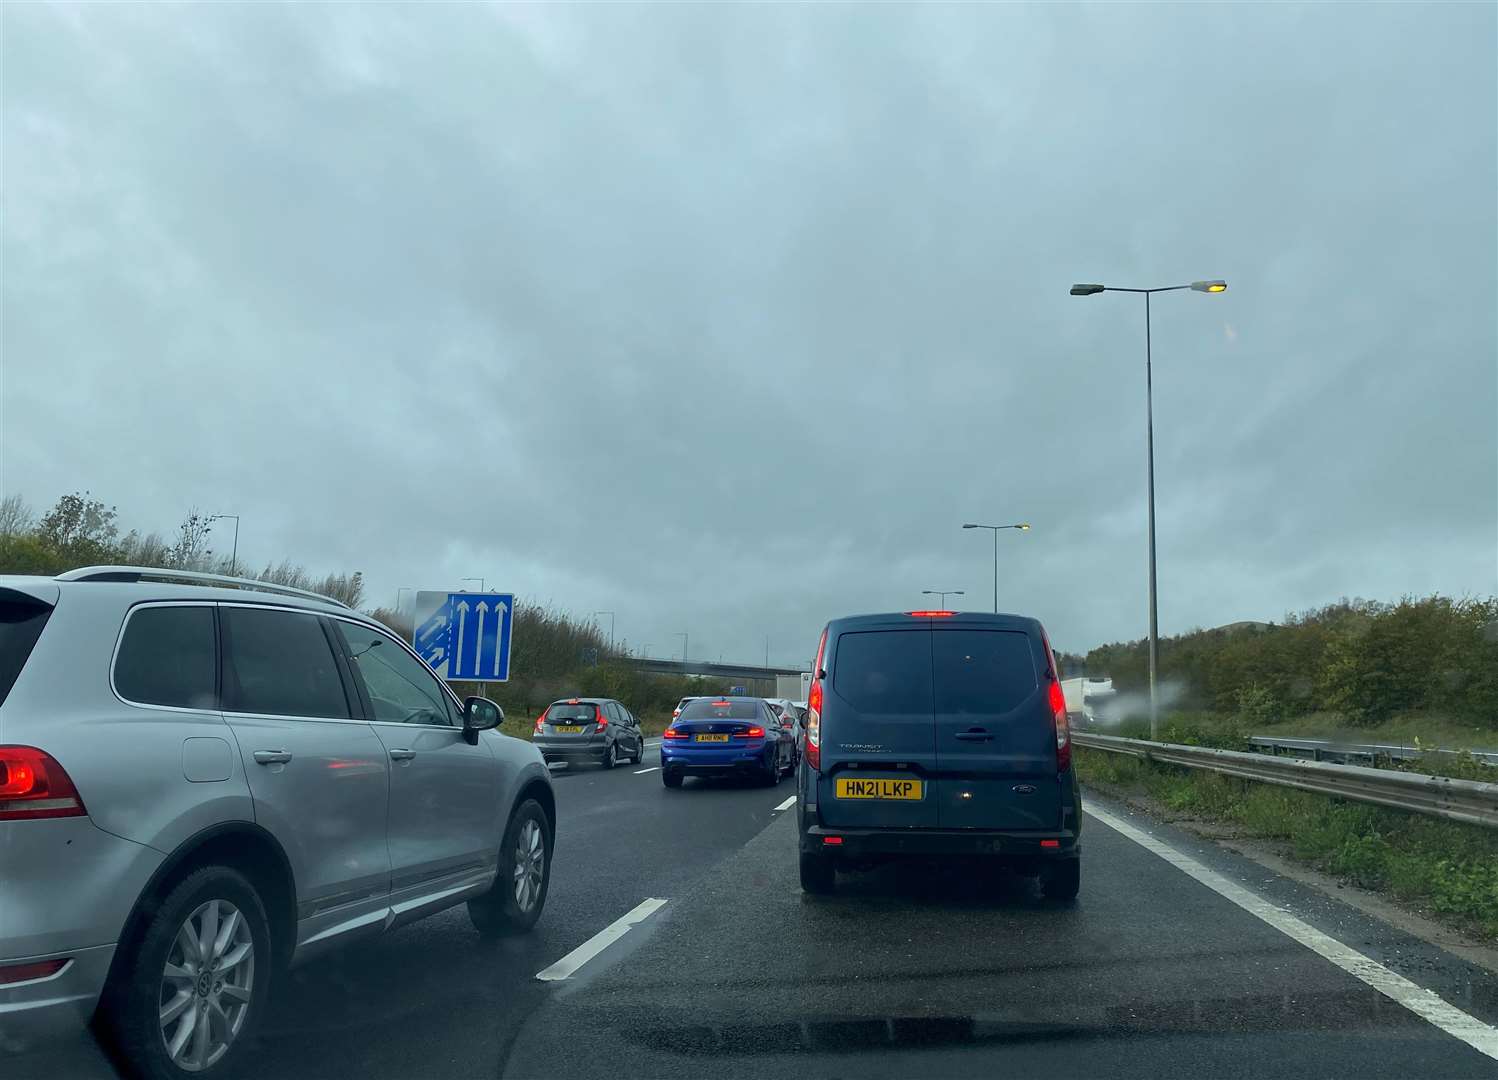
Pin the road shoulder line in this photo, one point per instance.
(1426, 1004)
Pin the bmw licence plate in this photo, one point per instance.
(710, 738)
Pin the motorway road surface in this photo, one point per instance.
(917, 971)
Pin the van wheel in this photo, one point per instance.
(1062, 880)
(514, 902)
(193, 991)
(818, 875)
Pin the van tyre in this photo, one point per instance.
(514, 902)
(1062, 880)
(818, 875)
(203, 961)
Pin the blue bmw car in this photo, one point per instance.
(728, 736)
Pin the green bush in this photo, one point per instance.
(1367, 661)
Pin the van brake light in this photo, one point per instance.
(813, 748)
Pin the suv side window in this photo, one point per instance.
(280, 663)
(401, 688)
(168, 656)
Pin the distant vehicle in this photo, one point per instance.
(598, 730)
(789, 720)
(679, 706)
(935, 733)
(240, 777)
(727, 736)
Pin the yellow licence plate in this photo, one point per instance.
(879, 787)
(711, 738)
(567, 729)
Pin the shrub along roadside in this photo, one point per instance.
(1447, 867)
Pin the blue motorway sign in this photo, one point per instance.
(464, 635)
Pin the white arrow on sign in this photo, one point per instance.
(462, 625)
(478, 650)
(499, 613)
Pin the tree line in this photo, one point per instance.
(553, 655)
(80, 530)
(1365, 660)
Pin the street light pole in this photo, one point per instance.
(943, 593)
(684, 640)
(610, 614)
(481, 581)
(1214, 286)
(234, 556)
(1022, 526)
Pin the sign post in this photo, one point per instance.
(464, 636)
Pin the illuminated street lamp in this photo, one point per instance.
(1216, 285)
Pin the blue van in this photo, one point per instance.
(938, 733)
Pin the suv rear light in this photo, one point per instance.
(34, 785)
(813, 750)
(601, 721)
(673, 733)
(32, 969)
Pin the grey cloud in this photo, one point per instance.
(726, 318)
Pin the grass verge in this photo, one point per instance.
(1442, 867)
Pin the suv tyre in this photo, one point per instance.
(203, 961)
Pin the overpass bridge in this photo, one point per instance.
(740, 672)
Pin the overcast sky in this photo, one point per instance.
(727, 318)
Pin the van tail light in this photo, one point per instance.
(673, 733)
(754, 733)
(602, 721)
(813, 749)
(1057, 698)
(34, 785)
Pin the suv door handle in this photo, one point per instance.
(402, 754)
(272, 757)
(974, 735)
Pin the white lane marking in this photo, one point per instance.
(1424, 1003)
(568, 965)
(787, 804)
(642, 772)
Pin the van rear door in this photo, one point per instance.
(878, 746)
(995, 741)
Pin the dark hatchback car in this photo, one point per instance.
(938, 734)
(598, 730)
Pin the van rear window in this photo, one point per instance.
(884, 671)
(982, 671)
(21, 622)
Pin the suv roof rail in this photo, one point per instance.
(190, 577)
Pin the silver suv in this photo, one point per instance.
(202, 783)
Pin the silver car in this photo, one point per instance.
(201, 784)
